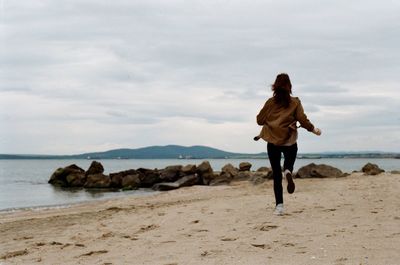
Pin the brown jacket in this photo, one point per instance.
(280, 123)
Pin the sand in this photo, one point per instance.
(352, 220)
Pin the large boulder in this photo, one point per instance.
(116, 178)
(243, 175)
(229, 169)
(189, 169)
(205, 172)
(76, 179)
(220, 179)
(319, 171)
(130, 182)
(244, 166)
(149, 177)
(164, 186)
(260, 177)
(59, 177)
(263, 169)
(171, 173)
(95, 168)
(98, 181)
(189, 180)
(372, 169)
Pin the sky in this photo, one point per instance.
(90, 75)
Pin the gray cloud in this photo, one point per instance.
(138, 68)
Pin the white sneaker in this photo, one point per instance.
(279, 209)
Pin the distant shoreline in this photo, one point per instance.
(22, 157)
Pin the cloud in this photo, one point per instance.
(86, 75)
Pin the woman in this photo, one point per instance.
(279, 117)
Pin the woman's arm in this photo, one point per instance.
(302, 118)
(262, 116)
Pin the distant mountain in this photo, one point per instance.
(160, 152)
(151, 152)
(192, 152)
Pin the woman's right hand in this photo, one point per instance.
(317, 131)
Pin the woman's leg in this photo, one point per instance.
(274, 155)
(290, 153)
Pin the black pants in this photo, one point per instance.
(274, 155)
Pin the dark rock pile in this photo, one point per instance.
(176, 176)
(169, 178)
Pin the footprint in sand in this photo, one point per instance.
(289, 245)
(130, 237)
(207, 253)
(96, 252)
(265, 227)
(147, 228)
(13, 254)
(23, 238)
(229, 239)
(201, 230)
(107, 235)
(329, 210)
(262, 246)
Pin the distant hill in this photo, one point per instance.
(192, 152)
(151, 152)
(160, 152)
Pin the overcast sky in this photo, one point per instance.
(91, 75)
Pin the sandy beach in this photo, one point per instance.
(351, 220)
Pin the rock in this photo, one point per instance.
(189, 169)
(372, 169)
(230, 170)
(149, 177)
(243, 175)
(395, 171)
(171, 173)
(130, 182)
(319, 171)
(95, 168)
(189, 180)
(76, 179)
(59, 177)
(205, 172)
(244, 166)
(263, 169)
(164, 186)
(260, 177)
(221, 179)
(116, 178)
(98, 181)
(204, 167)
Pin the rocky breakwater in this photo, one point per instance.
(177, 176)
(169, 178)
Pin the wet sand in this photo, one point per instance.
(351, 220)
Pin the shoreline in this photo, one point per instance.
(351, 220)
(118, 195)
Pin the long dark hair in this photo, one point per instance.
(282, 89)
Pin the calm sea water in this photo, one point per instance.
(23, 183)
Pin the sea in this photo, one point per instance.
(23, 183)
